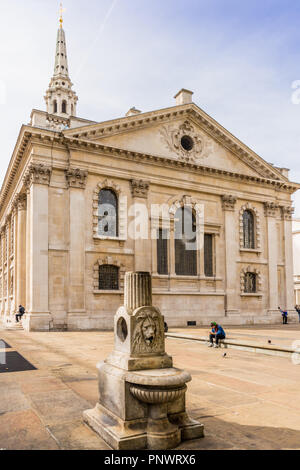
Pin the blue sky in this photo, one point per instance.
(239, 57)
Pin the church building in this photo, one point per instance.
(74, 190)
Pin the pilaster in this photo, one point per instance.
(270, 214)
(286, 215)
(231, 253)
(37, 181)
(20, 259)
(76, 180)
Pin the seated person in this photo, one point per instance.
(217, 333)
(20, 314)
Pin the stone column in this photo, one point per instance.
(8, 261)
(27, 251)
(138, 290)
(37, 181)
(76, 180)
(20, 260)
(231, 254)
(142, 247)
(287, 213)
(14, 226)
(270, 214)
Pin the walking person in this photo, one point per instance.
(217, 333)
(297, 308)
(284, 314)
(20, 314)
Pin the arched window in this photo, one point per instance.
(108, 213)
(54, 106)
(108, 277)
(185, 242)
(248, 229)
(250, 283)
(64, 107)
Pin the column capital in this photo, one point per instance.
(287, 212)
(139, 188)
(270, 209)
(37, 173)
(20, 202)
(76, 178)
(228, 202)
(8, 219)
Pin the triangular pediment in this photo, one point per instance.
(184, 133)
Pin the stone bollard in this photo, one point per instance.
(142, 397)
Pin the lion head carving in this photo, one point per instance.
(147, 335)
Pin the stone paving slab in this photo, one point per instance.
(246, 400)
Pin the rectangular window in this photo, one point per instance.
(208, 255)
(162, 252)
(108, 277)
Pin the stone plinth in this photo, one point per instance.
(142, 397)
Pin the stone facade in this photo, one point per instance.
(49, 220)
(296, 252)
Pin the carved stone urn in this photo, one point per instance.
(142, 397)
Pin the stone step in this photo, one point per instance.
(271, 350)
(14, 326)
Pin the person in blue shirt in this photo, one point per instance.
(284, 314)
(216, 334)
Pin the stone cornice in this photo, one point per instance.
(212, 127)
(47, 137)
(76, 178)
(88, 145)
(27, 133)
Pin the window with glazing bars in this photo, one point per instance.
(250, 283)
(208, 255)
(248, 229)
(162, 252)
(108, 277)
(108, 213)
(185, 243)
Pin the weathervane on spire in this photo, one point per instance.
(61, 11)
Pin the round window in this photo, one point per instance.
(187, 143)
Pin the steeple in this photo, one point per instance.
(60, 98)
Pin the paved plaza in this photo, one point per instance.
(245, 400)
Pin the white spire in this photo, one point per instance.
(60, 98)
